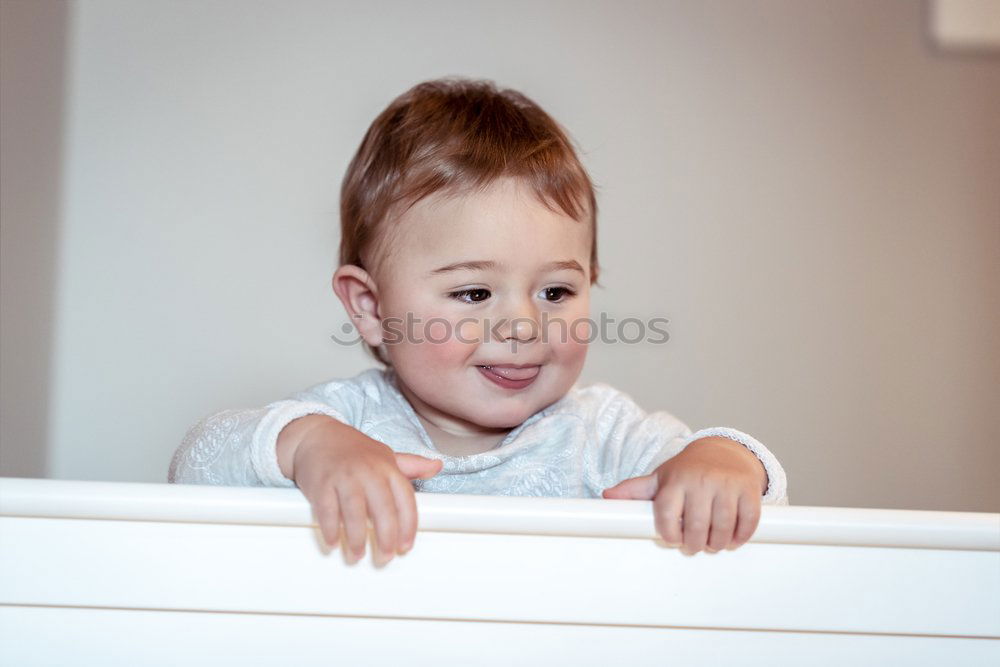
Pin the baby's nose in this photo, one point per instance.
(523, 324)
(523, 330)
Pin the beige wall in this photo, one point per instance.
(806, 189)
(32, 106)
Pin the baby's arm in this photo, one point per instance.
(345, 475)
(776, 492)
(237, 447)
(706, 497)
(707, 487)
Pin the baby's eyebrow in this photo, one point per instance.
(490, 265)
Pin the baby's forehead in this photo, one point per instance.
(488, 222)
(504, 204)
(464, 257)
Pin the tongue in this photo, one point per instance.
(514, 373)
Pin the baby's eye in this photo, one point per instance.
(557, 293)
(476, 295)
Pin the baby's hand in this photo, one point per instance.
(706, 497)
(348, 477)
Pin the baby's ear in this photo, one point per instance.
(357, 290)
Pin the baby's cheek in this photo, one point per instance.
(572, 332)
(437, 331)
(468, 332)
(574, 351)
(572, 345)
(446, 341)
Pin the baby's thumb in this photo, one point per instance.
(418, 467)
(636, 488)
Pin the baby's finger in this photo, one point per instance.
(327, 512)
(748, 517)
(354, 511)
(382, 510)
(697, 516)
(723, 521)
(668, 506)
(406, 505)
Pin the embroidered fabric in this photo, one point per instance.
(263, 443)
(216, 450)
(591, 439)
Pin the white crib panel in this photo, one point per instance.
(124, 573)
(496, 577)
(112, 637)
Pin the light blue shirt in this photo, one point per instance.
(591, 439)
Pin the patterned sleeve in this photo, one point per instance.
(636, 443)
(239, 447)
(628, 439)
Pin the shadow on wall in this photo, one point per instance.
(32, 99)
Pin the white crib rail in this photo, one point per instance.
(125, 573)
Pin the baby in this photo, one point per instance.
(467, 254)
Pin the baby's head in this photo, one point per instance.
(469, 240)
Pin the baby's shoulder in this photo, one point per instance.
(596, 400)
(370, 386)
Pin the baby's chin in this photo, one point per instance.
(500, 423)
(506, 419)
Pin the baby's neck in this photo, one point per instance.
(450, 438)
(462, 444)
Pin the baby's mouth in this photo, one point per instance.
(512, 372)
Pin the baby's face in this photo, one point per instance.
(534, 266)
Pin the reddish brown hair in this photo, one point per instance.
(456, 135)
